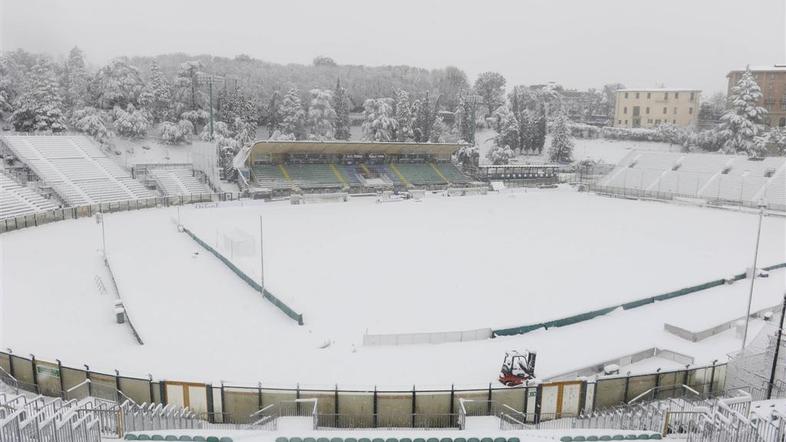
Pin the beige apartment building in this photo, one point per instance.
(649, 108)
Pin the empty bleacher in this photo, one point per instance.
(76, 169)
(313, 175)
(422, 174)
(178, 182)
(16, 200)
(726, 178)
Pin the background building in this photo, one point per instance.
(652, 107)
(772, 81)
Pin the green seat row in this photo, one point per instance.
(393, 439)
(171, 437)
(610, 437)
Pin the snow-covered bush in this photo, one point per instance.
(92, 122)
(582, 130)
(561, 148)
(499, 154)
(468, 155)
(176, 133)
(132, 122)
(198, 117)
(220, 129)
(631, 134)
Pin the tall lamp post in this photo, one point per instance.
(762, 205)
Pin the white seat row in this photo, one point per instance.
(16, 200)
(178, 182)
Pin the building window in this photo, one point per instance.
(626, 123)
(637, 95)
(673, 121)
(647, 110)
(626, 95)
(657, 121)
(691, 96)
(675, 111)
(782, 123)
(665, 95)
(676, 95)
(665, 111)
(620, 122)
(690, 111)
(649, 95)
(625, 110)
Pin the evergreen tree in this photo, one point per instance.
(438, 131)
(274, 114)
(41, 107)
(424, 119)
(403, 116)
(742, 123)
(378, 124)
(188, 82)
(465, 120)
(539, 133)
(561, 149)
(527, 130)
(160, 94)
(341, 106)
(507, 127)
(293, 117)
(321, 115)
(75, 80)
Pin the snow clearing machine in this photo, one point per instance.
(517, 368)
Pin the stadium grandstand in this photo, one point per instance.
(717, 178)
(73, 169)
(281, 166)
(171, 179)
(17, 200)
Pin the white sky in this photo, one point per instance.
(578, 43)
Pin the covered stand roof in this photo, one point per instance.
(353, 147)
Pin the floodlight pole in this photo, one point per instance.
(261, 257)
(753, 276)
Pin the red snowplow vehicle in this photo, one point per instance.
(517, 368)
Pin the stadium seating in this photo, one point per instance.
(178, 182)
(75, 169)
(17, 200)
(327, 175)
(731, 178)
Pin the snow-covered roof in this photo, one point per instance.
(770, 68)
(352, 147)
(662, 89)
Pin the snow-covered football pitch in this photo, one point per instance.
(441, 264)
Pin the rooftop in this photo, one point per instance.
(351, 147)
(662, 89)
(769, 68)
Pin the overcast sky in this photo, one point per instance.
(577, 43)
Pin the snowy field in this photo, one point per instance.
(438, 265)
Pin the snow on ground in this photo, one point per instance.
(442, 264)
(598, 149)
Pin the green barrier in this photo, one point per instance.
(520, 330)
(265, 294)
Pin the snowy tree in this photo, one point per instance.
(378, 124)
(188, 83)
(176, 133)
(742, 123)
(341, 106)
(278, 136)
(507, 127)
(273, 118)
(220, 129)
(465, 120)
(424, 114)
(451, 84)
(93, 122)
(131, 122)
(11, 81)
(75, 80)
(403, 116)
(245, 131)
(561, 149)
(198, 118)
(491, 86)
(528, 130)
(41, 107)
(233, 104)
(293, 117)
(499, 154)
(321, 116)
(159, 91)
(438, 131)
(468, 156)
(775, 139)
(116, 84)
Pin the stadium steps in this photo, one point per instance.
(313, 175)
(420, 174)
(452, 173)
(17, 200)
(270, 175)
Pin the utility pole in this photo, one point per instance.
(100, 220)
(762, 205)
(777, 350)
